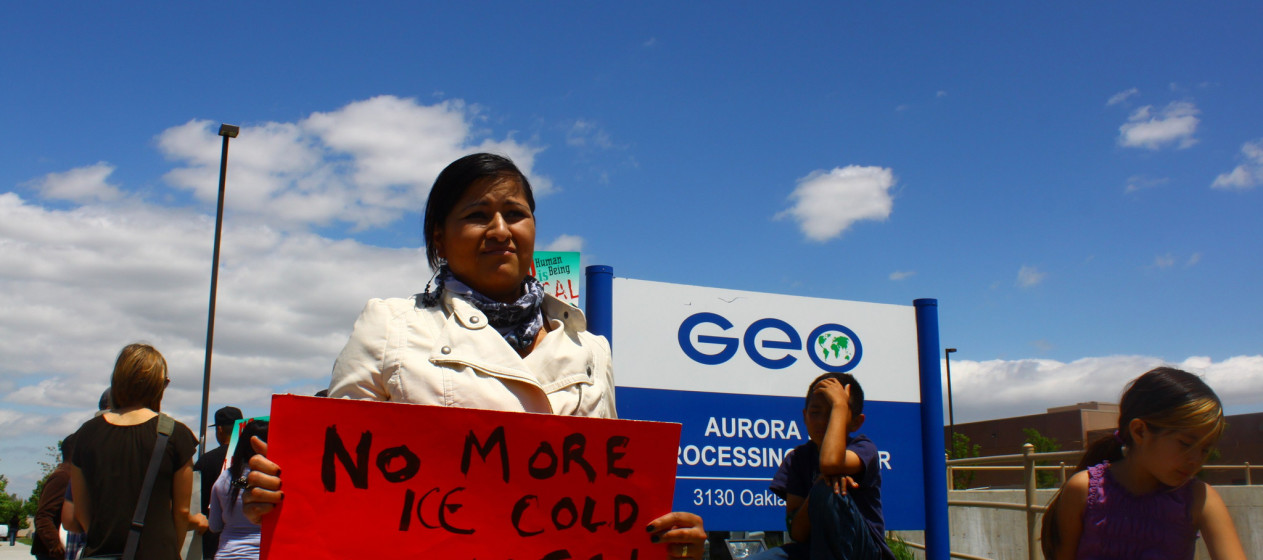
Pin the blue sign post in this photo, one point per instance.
(733, 368)
(938, 544)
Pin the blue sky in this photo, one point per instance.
(1078, 185)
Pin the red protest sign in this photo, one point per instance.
(366, 479)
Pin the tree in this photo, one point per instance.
(46, 467)
(1043, 444)
(961, 449)
(10, 505)
(53, 453)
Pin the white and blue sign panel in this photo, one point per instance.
(733, 367)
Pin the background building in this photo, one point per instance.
(1074, 427)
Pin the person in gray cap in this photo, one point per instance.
(210, 464)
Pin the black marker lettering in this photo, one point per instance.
(565, 505)
(356, 469)
(496, 438)
(545, 450)
(420, 515)
(623, 523)
(519, 509)
(573, 452)
(445, 507)
(411, 464)
(612, 456)
(589, 508)
(405, 520)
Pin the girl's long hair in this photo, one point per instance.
(242, 453)
(1164, 399)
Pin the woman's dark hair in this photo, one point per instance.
(242, 453)
(1164, 399)
(452, 183)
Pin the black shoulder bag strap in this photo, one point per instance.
(166, 425)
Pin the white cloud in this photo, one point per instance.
(902, 274)
(1169, 260)
(565, 243)
(1140, 182)
(1029, 276)
(1247, 175)
(1175, 124)
(79, 284)
(998, 388)
(82, 184)
(582, 134)
(826, 203)
(941, 93)
(362, 164)
(1122, 96)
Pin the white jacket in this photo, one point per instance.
(449, 355)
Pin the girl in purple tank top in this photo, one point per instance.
(1133, 495)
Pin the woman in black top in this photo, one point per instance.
(109, 464)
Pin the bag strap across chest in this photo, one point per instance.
(166, 425)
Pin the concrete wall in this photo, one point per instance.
(1001, 534)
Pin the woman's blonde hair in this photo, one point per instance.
(140, 376)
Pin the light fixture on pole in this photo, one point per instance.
(951, 411)
(227, 131)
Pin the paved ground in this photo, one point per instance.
(23, 552)
(19, 552)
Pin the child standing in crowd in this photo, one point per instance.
(831, 484)
(1134, 495)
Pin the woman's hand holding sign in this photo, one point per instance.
(681, 532)
(264, 490)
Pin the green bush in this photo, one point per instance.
(899, 547)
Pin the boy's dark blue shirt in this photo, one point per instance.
(801, 466)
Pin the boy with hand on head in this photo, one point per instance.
(831, 484)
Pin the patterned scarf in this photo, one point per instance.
(519, 322)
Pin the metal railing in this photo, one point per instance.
(1062, 469)
(1249, 481)
(1028, 458)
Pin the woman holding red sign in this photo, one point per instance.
(483, 334)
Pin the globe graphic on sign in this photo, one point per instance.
(834, 348)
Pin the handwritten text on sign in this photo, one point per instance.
(558, 272)
(372, 479)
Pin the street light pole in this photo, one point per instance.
(951, 411)
(227, 131)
